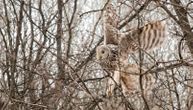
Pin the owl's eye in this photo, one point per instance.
(102, 51)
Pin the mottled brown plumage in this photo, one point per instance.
(110, 24)
(146, 38)
(130, 81)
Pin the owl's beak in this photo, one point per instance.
(99, 57)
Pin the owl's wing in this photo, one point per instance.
(146, 38)
(110, 35)
(110, 24)
(128, 42)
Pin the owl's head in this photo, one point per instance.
(102, 52)
(109, 7)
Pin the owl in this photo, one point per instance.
(113, 54)
(107, 56)
(125, 75)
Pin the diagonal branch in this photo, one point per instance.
(128, 19)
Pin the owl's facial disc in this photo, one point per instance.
(102, 52)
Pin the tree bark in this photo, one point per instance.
(60, 75)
